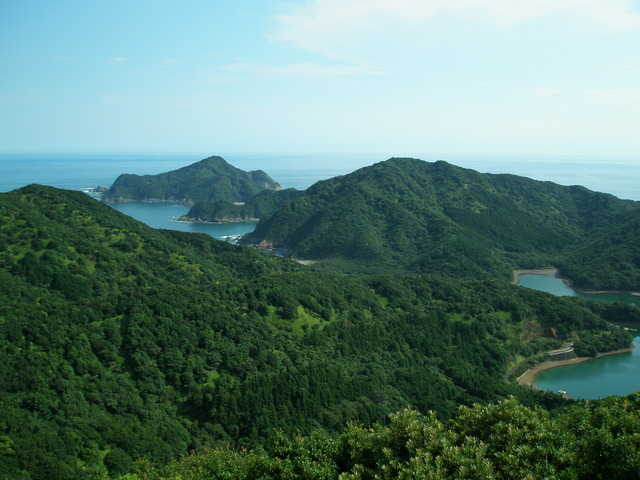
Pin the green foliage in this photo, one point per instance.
(610, 259)
(261, 204)
(414, 216)
(122, 343)
(207, 180)
(117, 461)
(505, 440)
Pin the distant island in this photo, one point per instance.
(211, 179)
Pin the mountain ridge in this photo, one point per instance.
(416, 216)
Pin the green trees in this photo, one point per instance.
(610, 259)
(207, 180)
(406, 215)
(123, 344)
(505, 440)
(261, 204)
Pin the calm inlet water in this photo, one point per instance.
(165, 215)
(611, 375)
(557, 286)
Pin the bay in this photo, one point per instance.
(557, 286)
(610, 375)
(165, 215)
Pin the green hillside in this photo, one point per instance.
(207, 180)
(260, 205)
(410, 215)
(608, 259)
(124, 343)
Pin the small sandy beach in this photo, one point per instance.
(529, 377)
(550, 272)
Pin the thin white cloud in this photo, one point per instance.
(321, 25)
(171, 62)
(545, 91)
(117, 61)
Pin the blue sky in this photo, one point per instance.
(391, 76)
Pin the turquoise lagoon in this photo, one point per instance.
(610, 375)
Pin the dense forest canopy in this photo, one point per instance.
(407, 215)
(210, 179)
(122, 343)
(610, 258)
(260, 205)
(595, 440)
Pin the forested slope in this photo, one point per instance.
(416, 216)
(120, 342)
(210, 179)
(260, 205)
(609, 259)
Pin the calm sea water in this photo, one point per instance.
(165, 215)
(611, 375)
(619, 176)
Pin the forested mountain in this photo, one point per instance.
(207, 180)
(608, 259)
(120, 342)
(260, 205)
(410, 215)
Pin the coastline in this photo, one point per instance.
(218, 221)
(550, 272)
(529, 377)
(554, 272)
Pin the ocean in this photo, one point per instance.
(619, 176)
